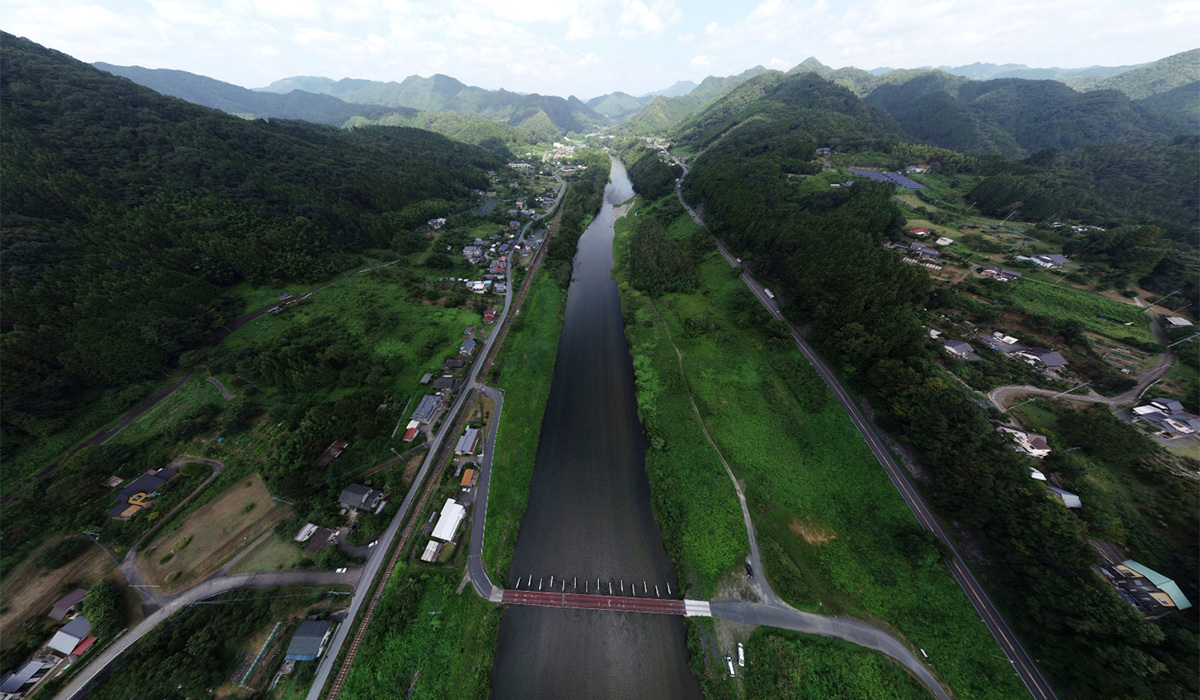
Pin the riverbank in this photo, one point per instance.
(835, 536)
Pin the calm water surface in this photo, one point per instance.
(589, 512)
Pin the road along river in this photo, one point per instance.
(589, 516)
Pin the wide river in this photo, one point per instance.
(589, 513)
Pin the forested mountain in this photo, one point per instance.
(821, 251)
(1149, 79)
(663, 113)
(617, 106)
(142, 208)
(505, 141)
(992, 71)
(547, 116)
(207, 92)
(774, 104)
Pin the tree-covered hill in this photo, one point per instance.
(617, 106)
(1147, 80)
(547, 116)
(802, 102)
(501, 139)
(663, 113)
(126, 213)
(207, 92)
(1012, 116)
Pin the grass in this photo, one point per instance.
(272, 554)
(526, 366)
(835, 534)
(426, 641)
(212, 534)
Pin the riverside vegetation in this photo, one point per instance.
(836, 536)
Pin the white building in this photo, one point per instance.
(447, 524)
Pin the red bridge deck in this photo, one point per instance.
(547, 599)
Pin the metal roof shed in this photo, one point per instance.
(309, 641)
(447, 524)
(64, 605)
(66, 639)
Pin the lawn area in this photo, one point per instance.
(212, 534)
(1097, 313)
(836, 536)
(426, 641)
(796, 666)
(185, 402)
(272, 554)
(525, 364)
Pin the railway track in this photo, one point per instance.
(344, 672)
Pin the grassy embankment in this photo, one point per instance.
(525, 364)
(802, 667)
(836, 536)
(426, 641)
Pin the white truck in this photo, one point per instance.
(769, 294)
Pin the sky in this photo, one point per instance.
(591, 47)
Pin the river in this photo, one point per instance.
(589, 512)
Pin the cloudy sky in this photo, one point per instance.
(591, 47)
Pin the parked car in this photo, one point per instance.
(749, 570)
(741, 655)
(340, 570)
(373, 543)
(729, 663)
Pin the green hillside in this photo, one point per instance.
(617, 106)
(142, 209)
(1150, 79)
(662, 113)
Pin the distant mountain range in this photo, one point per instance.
(208, 92)
(1010, 109)
(991, 71)
(546, 116)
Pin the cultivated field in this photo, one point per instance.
(212, 535)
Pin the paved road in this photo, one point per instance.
(1020, 659)
(375, 561)
(203, 591)
(998, 395)
(851, 630)
(475, 568)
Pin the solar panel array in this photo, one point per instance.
(894, 178)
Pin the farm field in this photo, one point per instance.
(836, 536)
(1096, 313)
(211, 535)
(274, 553)
(525, 364)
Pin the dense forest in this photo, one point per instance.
(127, 213)
(651, 177)
(821, 254)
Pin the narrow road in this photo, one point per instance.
(1020, 659)
(998, 395)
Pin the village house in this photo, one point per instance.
(468, 347)
(1153, 594)
(958, 348)
(427, 407)
(358, 497)
(1031, 444)
(1069, 499)
(1048, 358)
(140, 492)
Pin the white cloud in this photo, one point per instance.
(701, 61)
(638, 19)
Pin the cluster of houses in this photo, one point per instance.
(286, 299)
(560, 151)
(437, 223)
(68, 643)
(495, 258)
(917, 250)
(1037, 447)
(1046, 261)
(1169, 417)
(1035, 357)
(999, 273)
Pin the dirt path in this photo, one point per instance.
(221, 388)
